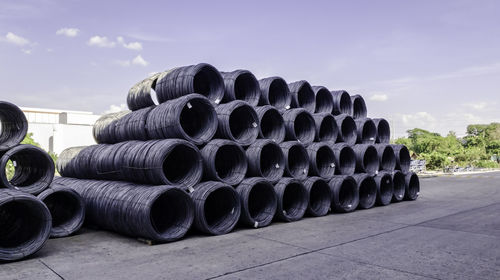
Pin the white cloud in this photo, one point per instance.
(15, 39)
(27, 51)
(379, 97)
(123, 63)
(138, 60)
(101, 42)
(68, 32)
(116, 108)
(136, 46)
(477, 106)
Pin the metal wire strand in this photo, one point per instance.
(345, 158)
(274, 91)
(238, 122)
(398, 181)
(302, 96)
(341, 102)
(367, 189)
(217, 207)
(158, 213)
(347, 129)
(412, 186)
(320, 196)
(383, 130)
(385, 188)
(293, 199)
(25, 224)
(366, 130)
(224, 161)
(258, 202)
(326, 127)
(34, 169)
(13, 125)
(272, 125)
(265, 159)
(358, 107)
(297, 160)
(66, 207)
(321, 160)
(366, 159)
(403, 158)
(299, 125)
(241, 85)
(324, 100)
(345, 195)
(386, 157)
(142, 94)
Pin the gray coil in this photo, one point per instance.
(299, 125)
(412, 184)
(345, 195)
(383, 130)
(13, 125)
(358, 107)
(274, 91)
(302, 96)
(366, 159)
(326, 127)
(224, 161)
(403, 158)
(238, 122)
(341, 102)
(347, 129)
(272, 125)
(367, 189)
(321, 160)
(385, 188)
(399, 186)
(258, 202)
(320, 196)
(367, 131)
(345, 159)
(386, 157)
(265, 159)
(297, 160)
(292, 199)
(142, 94)
(241, 85)
(104, 129)
(324, 100)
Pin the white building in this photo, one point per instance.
(56, 130)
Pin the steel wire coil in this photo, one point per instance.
(326, 127)
(366, 159)
(386, 157)
(13, 125)
(347, 129)
(258, 202)
(299, 125)
(385, 188)
(302, 96)
(320, 196)
(34, 169)
(297, 160)
(238, 122)
(274, 91)
(345, 195)
(359, 110)
(399, 186)
(341, 102)
(293, 199)
(217, 207)
(224, 161)
(104, 129)
(366, 131)
(142, 94)
(403, 158)
(324, 100)
(241, 85)
(321, 160)
(265, 159)
(367, 189)
(383, 130)
(272, 125)
(345, 158)
(25, 224)
(412, 186)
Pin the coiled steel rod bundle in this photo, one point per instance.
(347, 129)
(399, 186)
(25, 224)
(13, 125)
(386, 157)
(217, 207)
(34, 169)
(173, 162)
(366, 159)
(297, 159)
(321, 160)
(326, 127)
(241, 85)
(258, 202)
(272, 125)
(358, 107)
(345, 195)
(265, 159)
(385, 188)
(302, 96)
(341, 102)
(159, 213)
(412, 183)
(345, 159)
(142, 94)
(238, 121)
(367, 189)
(104, 129)
(383, 130)
(66, 207)
(320, 196)
(324, 100)
(299, 125)
(274, 91)
(403, 158)
(292, 199)
(367, 131)
(224, 161)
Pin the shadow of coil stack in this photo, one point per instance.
(220, 150)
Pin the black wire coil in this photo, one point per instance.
(341, 102)
(345, 158)
(403, 158)
(297, 160)
(347, 129)
(274, 91)
(366, 159)
(345, 195)
(104, 129)
(258, 202)
(320, 196)
(272, 125)
(386, 157)
(13, 125)
(34, 169)
(302, 96)
(324, 100)
(359, 110)
(299, 125)
(141, 94)
(385, 188)
(293, 199)
(367, 189)
(217, 207)
(265, 159)
(66, 207)
(173, 162)
(321, 160)
(25, 224)
(241, 85)
(412, 183)
(224, 161)
(383, 130)
(159, 213)
(326, 127)
(238, 122)
(398, 181)
(366, 130)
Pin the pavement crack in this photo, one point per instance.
(58, 275)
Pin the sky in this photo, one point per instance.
(428, 64)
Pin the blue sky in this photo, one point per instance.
(428, 64)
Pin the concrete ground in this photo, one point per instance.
(452, 231)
